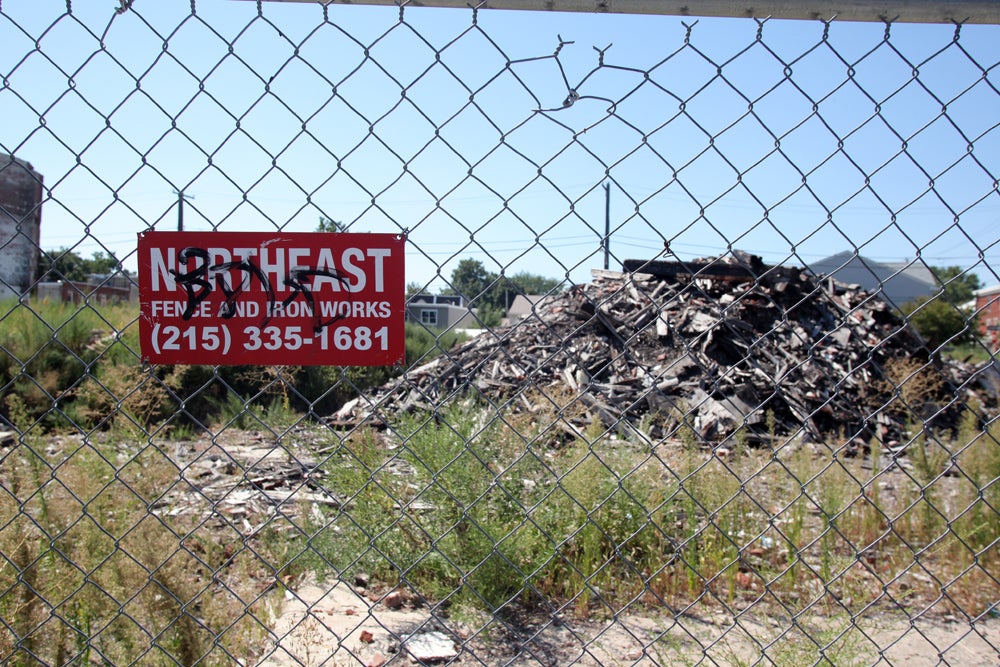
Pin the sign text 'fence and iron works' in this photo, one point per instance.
(266, 298)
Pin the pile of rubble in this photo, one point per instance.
(719, 346)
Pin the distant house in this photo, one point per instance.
(441, 311)
(98, 288)
(895, 283)
(521, 307)
(988, 313)
(917, 270)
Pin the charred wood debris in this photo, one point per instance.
(718, 346)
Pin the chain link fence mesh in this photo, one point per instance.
(720, 389)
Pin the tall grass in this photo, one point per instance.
(469, 509)
(92, 573)
(479, 513)
(51, 350)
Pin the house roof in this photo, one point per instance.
(437, 299)
(987, 291)
(523, 303)
(892, 282)
(914, 269)
(521, 307)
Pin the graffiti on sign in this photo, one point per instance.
(266, 299)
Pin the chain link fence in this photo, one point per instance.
(700, 352)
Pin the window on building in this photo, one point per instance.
(429, 316)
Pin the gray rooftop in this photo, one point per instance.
(896, 283)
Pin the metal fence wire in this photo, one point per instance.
(700, 361)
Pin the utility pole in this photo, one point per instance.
(180, 208)
(607, 224)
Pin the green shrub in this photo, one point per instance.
(483, 518)
(78, 367)
(940, 322)
(49, 349)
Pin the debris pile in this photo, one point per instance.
(718, 345)
(241, 479)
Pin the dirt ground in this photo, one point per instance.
(336, 625)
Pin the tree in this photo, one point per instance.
(532, 283)
(939, 321)
(959, 284)
(492, 294)
(66, 264)
(329, 225)
(471, 279)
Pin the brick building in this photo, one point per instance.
(20, 220)
(98, 289)
(988, 312)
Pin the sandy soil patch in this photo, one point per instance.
(338, 624)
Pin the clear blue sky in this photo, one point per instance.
(459, 134)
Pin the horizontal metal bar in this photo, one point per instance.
(907, 11)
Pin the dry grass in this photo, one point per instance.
(94, 571)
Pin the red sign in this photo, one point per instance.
(271, 298)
